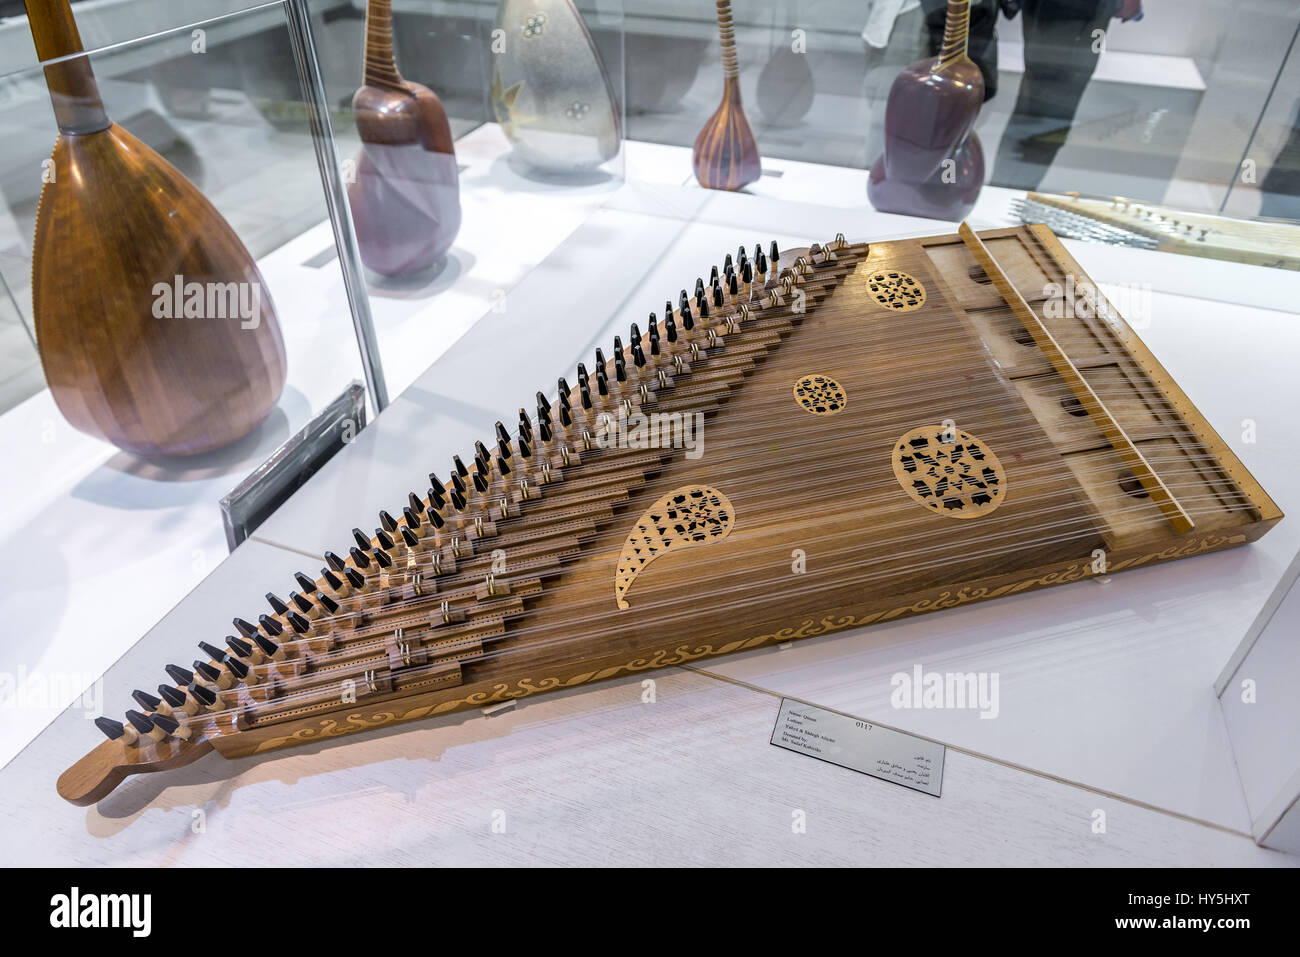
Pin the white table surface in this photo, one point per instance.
(1106, 698)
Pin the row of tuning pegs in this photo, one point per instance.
(201, 687)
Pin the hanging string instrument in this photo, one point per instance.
(155, 329)
(933, 164)
(405, 194)
(889, 429)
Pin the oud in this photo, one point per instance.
(725, 153)
(933, 164)
(117, 225)
(918, 417)
(405, 195)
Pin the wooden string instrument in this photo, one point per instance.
(933, 164)
(154, 327)
(929, 422)
(726, 153)
(405, 194)
(1151, 226)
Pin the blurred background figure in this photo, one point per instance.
(1063, 41)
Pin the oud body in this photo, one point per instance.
(725, 155)
(119, 230)
(933, 163)
(405, 195)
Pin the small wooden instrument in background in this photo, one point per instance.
(932, 422)
(154, 326)
(1129, 222)
(405, 195)
(933, 164)
(726, 153)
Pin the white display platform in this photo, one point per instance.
(595, 776)
(1106, 689)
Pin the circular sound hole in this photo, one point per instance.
(1022, 336)
(1129, 485)
(1073, 406)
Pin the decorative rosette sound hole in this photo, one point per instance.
(820, 395)
(685, 517)
(896, 290)
(949, 471)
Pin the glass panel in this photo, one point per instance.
(191, 301)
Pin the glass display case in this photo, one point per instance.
(454, 212)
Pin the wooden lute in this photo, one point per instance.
(405, 194)
(726, 154)
(154, 326)
(933, 164)
(919, 419)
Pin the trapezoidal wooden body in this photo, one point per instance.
(929, 422)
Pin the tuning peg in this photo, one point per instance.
(481, 484)
(458, 485)
(726, 264)
(747, 272)
(602, 382)
(387, 522)
(458, 499)
(525, 425)
(270, 625)
(670, 328)
(206, 671)
(332, 580)
(504, 467)
(383, 539)
(362, 540)
(146, 700)
(412, 516)
(174, 697)
(409, 538)
(239, 646)
(544, 432)
(461, 471)
(305, 583)
(683, 301)
(760, 262)
(526, 450)
(733, 285)
(437, 486)
(774, 254)
(638, 356)
(302, 602)
(335, 562)
(584, 394)
(112, 729)
(566, 417)
(169, 725)
(268, 647)
(178, 674)
(300, 624)
(237, 668)
(436, 520)
(482, 465)
(142, 724)
(212, 651)
(245, 629)
(355, 578)
(741, 256)
(203, 695)
(654, 336)
(360, 560)
(719, 298)
(688, 321)
(328, 603)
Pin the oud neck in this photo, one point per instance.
(727, 34)
(956, 30)
(78, 107)
(381, 65)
